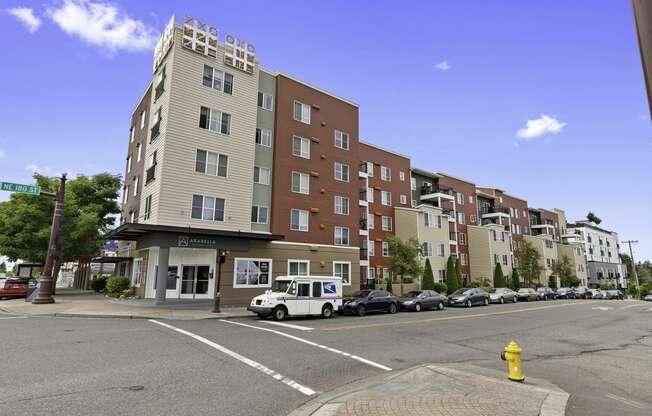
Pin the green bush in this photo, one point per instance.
(516, 280)
(552, 282)
(428, 281)
(606, 286)
(474, 283)
(389, 286)
(499, 278)
(440, 287)
(646, 288)
(408, 280)
(451, 276)
(117, 284)
(99, 284)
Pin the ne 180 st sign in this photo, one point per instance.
(23, 189)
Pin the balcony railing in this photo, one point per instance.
(156, 130)
(364, 253)
(363, 224)
(363, 194)
(452, 236)
(450, 213)
(425, 190)
(363, 167)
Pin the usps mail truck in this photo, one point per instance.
(299, 296)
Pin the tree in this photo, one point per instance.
(405, 258)
(428, 282)
(593, 218)
(529, 263)
(89, 209)
(552, 282)
(388, 287)
(565, 270)
(3, 267)
(499, 278)
(451, 275)
(516, 280)
(458, 272)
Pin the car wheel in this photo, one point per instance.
(469, 303)
(440, 306)
(361, 310)
(514, 299)
(486, 302)
(392, 308)
(502, 300)
(279, 313)
(417, 307)
(327, 311)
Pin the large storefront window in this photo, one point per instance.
(252, 273)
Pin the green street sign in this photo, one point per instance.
(23, 189)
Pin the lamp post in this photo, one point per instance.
(221, 258)
(44, 290)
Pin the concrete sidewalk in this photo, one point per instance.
(88, 304)
(446, 390)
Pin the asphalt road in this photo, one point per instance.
(598, 351)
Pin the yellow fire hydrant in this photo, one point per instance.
(512, 355)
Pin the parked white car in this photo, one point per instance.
(299, 295)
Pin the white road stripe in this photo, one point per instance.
(626, 401)
(602, 308)
(299, 327)
(13, 317)
(303, 389)
(314, 344)
(633, 306)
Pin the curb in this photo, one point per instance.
(131, 316)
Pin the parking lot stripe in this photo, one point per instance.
(13, 317)
(314, 344)
(633, 306)
(625, 401)
(449, 318)
(303, 389)
(299, 327)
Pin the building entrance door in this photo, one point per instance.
(194, 281)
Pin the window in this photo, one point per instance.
(371, 248)
(264, 137)
(300, 183)
(132, 217)
(431, 220)
(387, 274)
(341, 205)
(302, 112)
(370, 169)
(470, 199)
(342, 269)
(464, 260)
(387, 223)
(150, 173)
(125, 194)
(139, 152)
(401, 175)
(341, 236)
(156, 125)
(403, 199)
(472, 218)
(132, 133)
(148, 208)
(262, 175)
(413, 184)
(461, 218)
(136, 186)
(137, 273)
(518, 228)
(414, 203)
(215, 120)
(426, 249)
(341, 140)
(298, 220)
(370, 195)
(442, 275)
(548, 243)
(385, 249)
(258, 214)
(211, 163)
(385, 173)
(252, 272)
(142, 119)
(301, 147)
(370, 221)
(441, 250)
(516, 213)
(265, 101)
(341, 172)
(386, 198)
(219, 80)
(129, 163)
(460, 198)
(298, 267)
(462, 238)
(505, 262)
(496, 259)
(207, 208)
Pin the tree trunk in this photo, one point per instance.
(55, 275)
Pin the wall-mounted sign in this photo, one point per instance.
(164, 43)
(239, 54)
(199, 37)
(197, 242)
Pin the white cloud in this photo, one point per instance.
(26, 16)
(2, 153)
(34, 168)
(443, 66)
(540, 127)
(103, 25)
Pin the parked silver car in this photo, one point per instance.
(502, 295)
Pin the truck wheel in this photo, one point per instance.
(279, 313)
(361, 310)
(392, 308)
(327, 311)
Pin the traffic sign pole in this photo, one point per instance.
(45, 283)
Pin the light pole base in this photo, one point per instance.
(43, 291)
(42, 301)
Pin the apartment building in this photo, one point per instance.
(496, 206)
(543, 221)
(212, 136)
(546, 245)
(601, 248)
(489, 245)
(384, 186)
(575, 254)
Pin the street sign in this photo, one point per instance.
(23, 189)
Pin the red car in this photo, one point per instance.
(15, 287)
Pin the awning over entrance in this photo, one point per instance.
(110, 259)
(134, 231)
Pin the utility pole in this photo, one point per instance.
(44, 291)
(221, 258)
(631, 256)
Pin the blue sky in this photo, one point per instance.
(449, 83)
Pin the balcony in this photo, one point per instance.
(450, 213)
(362, 199)
(364, 229)
(429, 193)
(452, 238)
(494, 212)
(159, 89)
(149, 174)
(364, 254)
(156, 130)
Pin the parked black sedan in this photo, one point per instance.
(363, 301)
(468, 297)
(565, 293)
(418, 300)
(545, 293)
